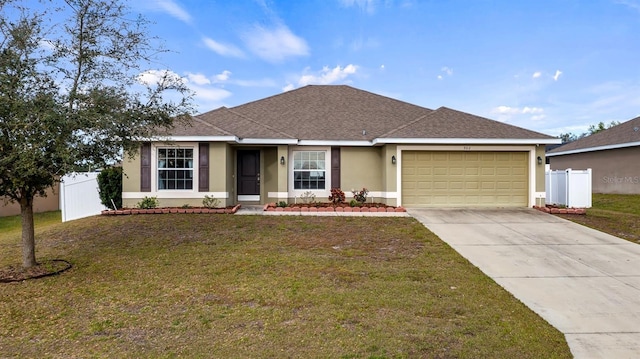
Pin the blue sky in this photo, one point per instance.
(551, 66)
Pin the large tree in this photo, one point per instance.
(593, 129)
(75, 92)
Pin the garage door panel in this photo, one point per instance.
(432, 179)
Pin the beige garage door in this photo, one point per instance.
(465, 179)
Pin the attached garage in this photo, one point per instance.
(465, 179)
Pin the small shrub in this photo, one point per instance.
(337, 196)
(360, 196)
(148, 203)
(282, 204)
(110, 187)
(308, 197)
(210, 202)
(186, 205)
(354, 203)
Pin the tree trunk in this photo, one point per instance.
(28, 233)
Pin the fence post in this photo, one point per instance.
(567, 198)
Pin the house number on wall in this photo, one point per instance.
(466, 148)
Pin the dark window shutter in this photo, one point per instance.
(203, 167)
(335, 167)
(145, 167)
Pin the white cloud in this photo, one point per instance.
(446, 71)
(368, 6)
(557, 75)
(210, 94)
(532, 110)
(223, 76)
(505, 110)
(172, 8)
(327, 75)
(222, 49)
(289, 87)
(153, 77)
(198, 79)
(536, 74)
(505, 113)
(634, 4)
(276, 44)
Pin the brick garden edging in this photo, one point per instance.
(271, 207)
(556, 210)
(131, 211)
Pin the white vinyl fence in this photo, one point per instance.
(571, 188)
(79, 196)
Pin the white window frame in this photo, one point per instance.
(154, 167)
(327, 170)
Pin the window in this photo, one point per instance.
(175, 168)
(309, 170)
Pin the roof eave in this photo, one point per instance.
(353, 143)
(195, 139)
(593, 149)
(267, 141)
(475, 141)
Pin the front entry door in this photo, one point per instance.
(249, 175)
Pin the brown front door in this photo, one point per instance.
(248, 175)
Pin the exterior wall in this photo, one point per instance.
(389, 178)
(269, 176)
(614, 171)
(362, 167)
(540, 190)
(131, 174)
(220, 158)
(220, 185)
(40, 204)
(228, 173)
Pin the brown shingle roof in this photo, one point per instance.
(344, 113)
(626, 132)
(319, 112)
(447, 123)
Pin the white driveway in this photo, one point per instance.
(584, 282)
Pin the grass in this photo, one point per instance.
(213, 286)
(616, 214)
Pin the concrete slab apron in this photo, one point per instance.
(584, 282)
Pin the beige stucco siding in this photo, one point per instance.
(131, 174)
(613, 171)
(539, 187)
(220, 158)
(269, 177)
(228, 171)
(361, 167)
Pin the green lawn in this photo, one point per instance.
(616, 214)
(219, 286)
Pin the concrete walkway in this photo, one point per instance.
(584, 282)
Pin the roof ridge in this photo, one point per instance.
(407, 124)
(196, 118)
(258, 123)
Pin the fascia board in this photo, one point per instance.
(462, 141)
(593, 149)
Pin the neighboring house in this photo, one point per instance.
(321, 137)
(40, 204)
(612, 154)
